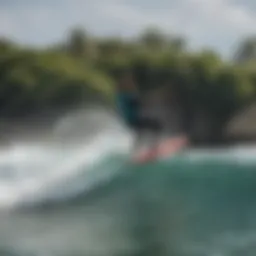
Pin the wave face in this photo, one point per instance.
(82, 196)
(65, 162)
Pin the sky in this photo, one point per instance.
(215, 24)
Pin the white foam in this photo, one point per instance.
(241, 154)
(33, 172)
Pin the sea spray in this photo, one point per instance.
(51, 169)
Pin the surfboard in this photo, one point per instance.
(164, 149)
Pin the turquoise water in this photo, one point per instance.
(77, 194)
(197, 203)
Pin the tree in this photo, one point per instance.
(178, 43)
(246, 51)
(153, 38)
(68, 73)
(76, 42)
(80, 45)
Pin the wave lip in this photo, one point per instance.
(34, 173)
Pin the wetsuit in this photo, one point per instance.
(130, 108)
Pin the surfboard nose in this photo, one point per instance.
(163, 149)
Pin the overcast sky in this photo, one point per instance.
(218, 24)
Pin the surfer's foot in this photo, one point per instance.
(173, 145)
(148, 155)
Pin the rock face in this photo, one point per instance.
(165, 106)
(199, 126)
(161, 105)
(243, 125)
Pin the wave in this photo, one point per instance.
(240, 154)
(85, 149)
(31, 173)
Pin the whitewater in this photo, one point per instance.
(74, 192)
(48, 168)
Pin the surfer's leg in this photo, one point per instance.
(154, 128)
(138, 130)
(138, 138)
(156, 132)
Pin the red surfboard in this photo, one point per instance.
(164, 149)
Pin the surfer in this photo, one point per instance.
(130, 104)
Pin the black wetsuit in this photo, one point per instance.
(130, 107)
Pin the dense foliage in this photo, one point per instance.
(85, 68)
(34, 80)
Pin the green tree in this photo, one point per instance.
(153, 38)
(247, 50)
(81, 45)
(84, 69)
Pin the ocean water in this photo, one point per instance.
(79, 197)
